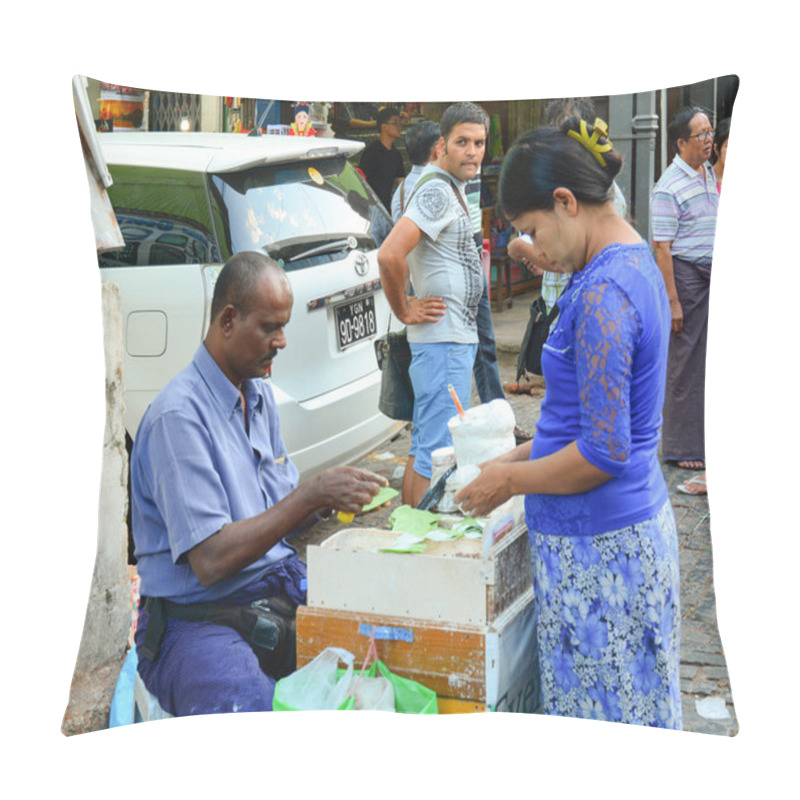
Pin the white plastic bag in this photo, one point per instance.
(317, 686)
(372, 694)
(485, 432)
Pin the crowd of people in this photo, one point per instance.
(215, 495)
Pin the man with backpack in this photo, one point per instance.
(433, 243)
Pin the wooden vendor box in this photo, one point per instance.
(451, 581)
(470, 667)
(458, 617)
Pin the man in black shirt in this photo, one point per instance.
(381, 161)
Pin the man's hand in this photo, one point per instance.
(521, 250)
(662, 251)
(347, 488)
(240, 543)
(422, 309)
(677, 316)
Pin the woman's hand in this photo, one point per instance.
(488, 491)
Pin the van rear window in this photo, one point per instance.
(301, 214)
(164, 217)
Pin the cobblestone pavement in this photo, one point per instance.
(704, 676)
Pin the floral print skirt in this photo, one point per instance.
(608, 623)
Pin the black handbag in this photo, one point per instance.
(394, 358)
(530, 352)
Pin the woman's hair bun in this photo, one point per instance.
(594, 138)
(576, 155)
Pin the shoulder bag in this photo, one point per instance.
(393, 354)
(530, 351)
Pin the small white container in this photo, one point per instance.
(441, 460)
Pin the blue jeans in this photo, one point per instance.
(487, 374)
(434, 365)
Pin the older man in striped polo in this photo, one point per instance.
(683, 216)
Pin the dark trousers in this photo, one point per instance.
(485, 370)
(683, 431)
(205, 668)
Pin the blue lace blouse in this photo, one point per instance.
(604, 365)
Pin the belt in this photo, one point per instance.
(267, 625)
(703, 264)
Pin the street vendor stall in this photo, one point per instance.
(444, 599)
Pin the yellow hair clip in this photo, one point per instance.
(590, 142)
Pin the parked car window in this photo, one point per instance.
(163, 216)
(300, 214)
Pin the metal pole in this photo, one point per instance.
(664, 133)
(620, 113)
(645, 128)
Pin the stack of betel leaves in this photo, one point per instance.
(416, 526)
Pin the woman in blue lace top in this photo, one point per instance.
(601, 527)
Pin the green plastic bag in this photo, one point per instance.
(317, 687)
(410, 697)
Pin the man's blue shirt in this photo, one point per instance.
(194, 469)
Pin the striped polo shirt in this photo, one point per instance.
(683, 210)
(473, 192)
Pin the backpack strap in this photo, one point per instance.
(436, 176)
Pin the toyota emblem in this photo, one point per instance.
(362, 264)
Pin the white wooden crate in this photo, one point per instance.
(451, 581)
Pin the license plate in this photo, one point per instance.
(355, 320)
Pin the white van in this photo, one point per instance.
(185, 203)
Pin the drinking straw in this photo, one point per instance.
(453, 394)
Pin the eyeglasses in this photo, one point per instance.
(703, 135)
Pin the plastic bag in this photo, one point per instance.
(122, 703)
(318, 686)
(322, 685)
(410, 697)
(372, 693)
(486, 431)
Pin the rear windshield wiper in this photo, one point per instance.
(350, 243)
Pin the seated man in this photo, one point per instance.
(214, 493)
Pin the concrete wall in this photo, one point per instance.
(108, 615)
(210, 113)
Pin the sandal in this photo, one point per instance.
(694, 486)
(689, 463)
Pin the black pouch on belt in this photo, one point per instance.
(268, 626)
